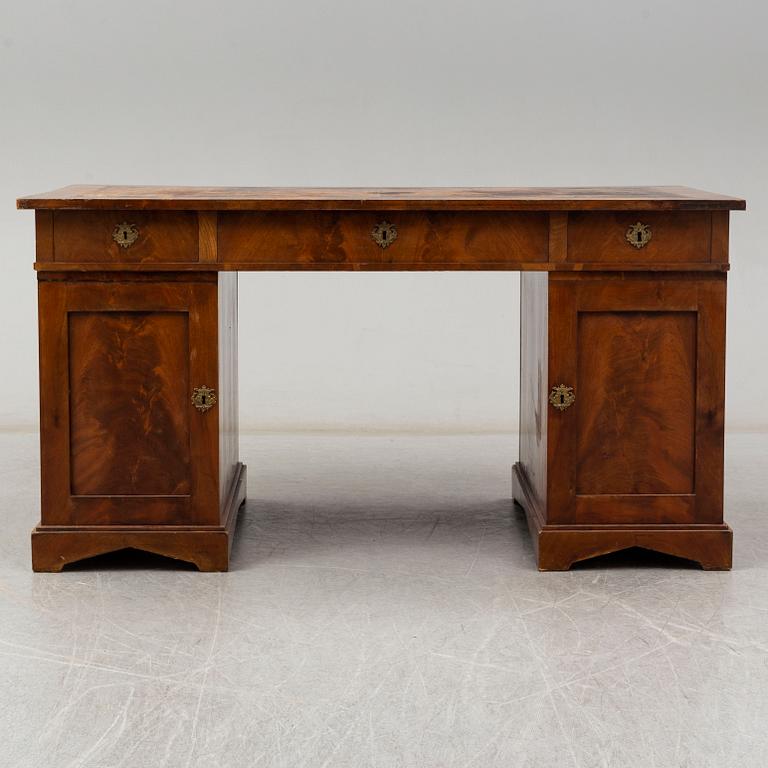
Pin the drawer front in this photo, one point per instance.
(622, 238)
(406, 241)
(125, 236)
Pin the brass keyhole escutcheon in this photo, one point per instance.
(125, 234)
(639, 235)
(203, 398)
(562, 397)
(384, 234)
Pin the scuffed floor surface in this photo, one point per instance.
(384, 610)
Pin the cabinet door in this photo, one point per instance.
(643, 441)
(122, 443)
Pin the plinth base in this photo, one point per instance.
(558, 547)
(205, 546)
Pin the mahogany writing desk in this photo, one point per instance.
(622, 353)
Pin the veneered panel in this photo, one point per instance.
(381, 198)
(533, 382)
(677, 238)
(229, 441)
(87, 237)
(44, 236)
(129, 410)
(343, 241)
(637, 403)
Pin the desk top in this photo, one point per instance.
(88, 196)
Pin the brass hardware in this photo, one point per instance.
(203, 398)
(384, 234)
(562, 397)
(125, 234)
(639, 235)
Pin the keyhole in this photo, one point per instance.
(125, 235)
(562, 398)
(639, 236)
(384, 234)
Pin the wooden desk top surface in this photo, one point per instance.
(381, 198)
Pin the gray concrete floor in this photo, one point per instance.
(384, 610)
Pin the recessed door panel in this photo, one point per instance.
(637, 402)
(129, 415)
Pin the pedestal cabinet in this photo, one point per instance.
(622, 415)
(622, 353)
(133, 451)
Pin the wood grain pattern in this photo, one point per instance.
(129, 414)
(534, 381)
(710, 400)
(115, 273)
(85, 237)
(229, 433)
(719, 252)
(208, 233)
(427, 240)
(558, 237)
(649, 400)
(637, 402)
(44, 236)
(683, 238)
(508, 265)
(343, 241)
(207, 547)
(381, 198)
(125, 334)
(122, 394)
(558, 547)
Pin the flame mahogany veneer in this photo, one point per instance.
(623, 301)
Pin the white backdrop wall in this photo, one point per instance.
(356, 92)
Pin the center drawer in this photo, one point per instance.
(389, 240)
